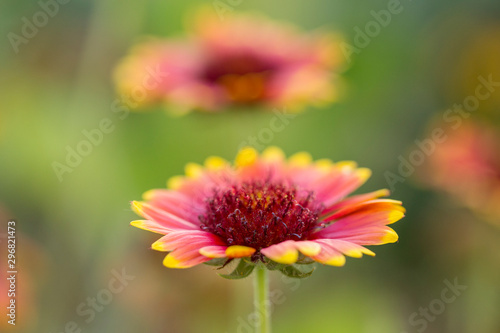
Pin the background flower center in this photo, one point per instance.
(243, 77)
(259, 215)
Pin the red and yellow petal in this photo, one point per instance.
(168, 220)
(329, 256)
(180, 259)
(357, 199)
(213, 251)
(177, 239)
(283, 253)
(152, 226)
(308, 248)
(364, 223)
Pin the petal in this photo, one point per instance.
(187, 251)
(273, 154)
(347, 248)
(164, 218)
(308, 248)
(193, 170)
(301, 159)
(392, 209)
(190, 238)
(152, 226)
(179, 259)
(246, 156)
(173, 202)
(364, 223)
(283, 253)
(339, 183)
(214, 251)
(356, 200)
(377, 235)
(239, 251)
(215, 163)
(329, 256)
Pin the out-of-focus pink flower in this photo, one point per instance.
(267, 207)
(467, 165)
(241, 60)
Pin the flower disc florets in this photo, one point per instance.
(259, 215)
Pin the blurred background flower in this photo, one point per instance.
(238, 60)
(58, 104)
(467, 165)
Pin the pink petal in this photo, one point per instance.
(283, 253)
(346, 248)
(152, 226)
(214, 251)
(329, 255)
(181, 258)
(164, 218)
(308, 248)
(186, 239)
(175, 203)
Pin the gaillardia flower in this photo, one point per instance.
(241, 60)
(267, 209)
(467, 166)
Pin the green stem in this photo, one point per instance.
(261, 299)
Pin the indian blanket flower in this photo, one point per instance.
(241, 60)
(268, 210)
(467, 166)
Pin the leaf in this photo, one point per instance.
(303, 260)
(217, 262)
(272, 265)
(295, 273)
(241, 271)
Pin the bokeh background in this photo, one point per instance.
(73, 234)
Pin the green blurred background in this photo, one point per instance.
(73, 233)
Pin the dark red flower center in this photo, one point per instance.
(243, 77)
(259, 215)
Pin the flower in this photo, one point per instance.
(241, 60)
(267, 207)
(467, 166)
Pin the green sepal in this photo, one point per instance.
(241, 271)
(303, 260)
(272, 265)
(293, 272)
(218, 262)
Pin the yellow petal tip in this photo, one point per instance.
(171, 262)
(336, 261)
(364, 173)
(159, 246)
(193, 170)
(273, 153)
(246, 156)
(215, 162)
(300, 159)
(290, 257)
(175, 182)
(390, 237)
(239, 251)
(137, 207)
(395, 216)
(324, 164)
(346, 165)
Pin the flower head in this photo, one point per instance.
(467, 166)
(267, 209)
(241, 60)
